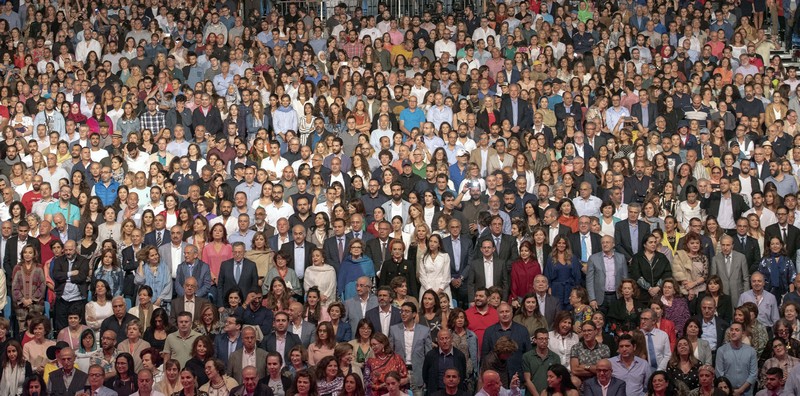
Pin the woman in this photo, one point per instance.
(529, 315)
(171, 383)
(134, 344)
(321, 276)
(202, 352)
(34, 351)
(700, 347)
(72, 333)
(158, 329)
(188, 381)
(650, 267)
(780, 358)
(706, 375)
(465, 340)
(323, 345)
(562, 338)
(208, 321)
(330, 379)
(99, 308)
(398, 266)
(523, 271)
(623, 314)
(85, 354)
(430, 313)
(434, 270)
(152, 360)
(28, 286)
(304, 384)
(558, 382)
(353, 386)
(109, 270)
(342, 330)
(262, 255)
(125, 381)
(361, 343)
(343, 354)
(154, 273)
(563, 270)
(722, 300)
(354, 266)
(683, 366)
(298, 361)
(661, 384)
(676, 307)
(14, 370)
(313, 311)
(144, 307)
(777, 267)
(384, 361)
(218, 383)
(754, 333)
(217, 250)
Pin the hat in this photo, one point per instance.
(537, 62)
(406, 162)
(704, 131)
(116, 134)
(767, 143)
(461, 152)
(53, 350)
(557, 81)
(683, 124)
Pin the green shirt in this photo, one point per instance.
(537, 367)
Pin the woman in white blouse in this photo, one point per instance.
(689, 209)
(434, 270)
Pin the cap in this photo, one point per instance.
(767, 143)
(704, 131)
(537, 62)
(683, 124)
(53, 350)
(406, 162)
(461, 152)
(116, 134)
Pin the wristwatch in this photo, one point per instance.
(586, 367)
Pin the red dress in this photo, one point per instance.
(522, 274)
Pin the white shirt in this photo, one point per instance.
(248, 359)
(408, 339)
(767, 216)
(271, 166)
(188, 305)
(386, 320)
(177, 258)
(588, 207)
(562, 346)
(488, 269)
(274, 213)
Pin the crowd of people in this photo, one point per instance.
(208, 198)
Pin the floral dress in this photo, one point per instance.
(375, 371)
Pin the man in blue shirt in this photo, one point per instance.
(411, 117)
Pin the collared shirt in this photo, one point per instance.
(248, 358)
(610, 267)
(177, 256)
(710, 333)
(386, 320)
(588, 207)
(585, 240)
(725, 215)
(635, 376)
(488, 269)
(71, 292)
(280, 345)
(408, 340)
(188, 305)
(634, 230)
(232, 345)
(456, 253)
(300, 260)
(552, 233)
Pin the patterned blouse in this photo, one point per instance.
(332, 388)
(28, 285)
(375, 371)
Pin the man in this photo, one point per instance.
(548, 305)
(746, 245)
(413, 353)
(178, 345)
(452, 384)
(251, 386)
(247, 355)
(129, 262)
(298, 252)
(334, 247)
(713, 327)
(458, 249)
(629, 368)
(106, 190)
(281, 340)
(145, 381)
(187, 301)
(537, 361)
(172, 253)
(493, 387)
(738, 362)
(516, 110)
(487, 271)
(656, 341)
(64, 231)
(773, 384)
(378, 248)
(255, 314)
(13, 250)
(363, 301)
(630, 234)
(604, 384)
(637, 185)
(765, 301)
(160, 236)
(67, 380)
(765, 215)
(605, 272)
(397, 206)
(70, 274)
(725, 206)
(385, 315)
(785, 231)
(230, 340)
(64, 207)
(585, 355)
(96, 376)
(118, 322)
(438, 361)
(192, 267)
(505, 247)
(299, 326)
(584, 243)
(506, 327)
(237, 272)
(732, 268)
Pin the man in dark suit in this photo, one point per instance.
(298, 251)
(186, 299)
(335, 248)
(64, 231)
(208, 115)
(735, 207)
(130, 264)
(238, 271)
(357, 224)
(516, 110)
(505, 246)
(746, 245)
(230, 340)
(385, 307)
(553, 227)
(14, 247)
(281, 236)
(584, 243)
(708, 317)
(568, 108)
(281, 327)
(160, 236)
(458, 249)
(630, 234)
(478, 278)
(644, 112)
(600, 296)
(195, 268)
(71, 278)
(432, 370)
(786, 232)
(378, 248)
(57, 386)
(252, 386)
(604, 384)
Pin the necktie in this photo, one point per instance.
(743, 239)
(158, 238)
(651, 351)
(497, 243)
(341, 250)
(784, 235)
(383, 251)
(237, 272)
(357, 235)
(585, 254)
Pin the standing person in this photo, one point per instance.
(435, 367)
(737, 361)
(605, 272)
(631, 369)
(564, 270)
(71, 276)
(507, 327)
(28, 287)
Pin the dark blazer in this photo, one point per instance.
(10, 256)
(430, 369)
(750, 250)
(178, 304)
(73, 233)
(248, 280)
(150, 238)
(201, 272)
(592, 388)
(288, 250)
(268, 344)
(212, 121)
(262, 388)
(344, 332)
(463, 260)
(59, 388)
(575, 112)
(365, 236)
(373, 316)
(482, 120)
(652, 113)
(712, 203)
(477, 277)
(507, 253)
(406, 268)
(331, 251)
(792, 233)
(221, 345)
(622, 233)
(373, 250)
(129, 264)
(724, 306)
(61, 268)
(268, 230)
(575, 243)
(722, 326)
(642, 271)
(524, 113)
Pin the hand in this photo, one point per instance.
(73, 273)
(515, 304)
(593, 304)
(515, 381)
(653, 291)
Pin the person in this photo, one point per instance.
(602, 285)
(737, 361)
(70, 273)
(629, 368)
(179, 344)
(57, 385)
(420, 343)
(563, 268)
(661, 384)
(452, 380)
(765, 301)
(777, 267)
(649, 268)
(124, 381)
(34, 351)
(171, 383)
(780, 359)
(153, 272)
(559, 382)
(383, 362)
(28, 287)
(304, 384)
(14, 370)
(623, 314)
(218, 382)
(189, 383)
(493, 387)
(145, 383)
(604, 384)
(585, 355)
(251, 385)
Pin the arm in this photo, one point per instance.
(590, 274)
